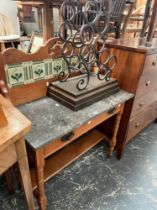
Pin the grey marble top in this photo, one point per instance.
(52, 120)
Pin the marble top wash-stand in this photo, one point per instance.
(55, 126)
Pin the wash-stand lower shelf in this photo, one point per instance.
(58, 161)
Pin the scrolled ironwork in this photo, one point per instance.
(82, 27)
(87, 34)
(87, 54)
(114, 60)
(67, 50)
(83, 82)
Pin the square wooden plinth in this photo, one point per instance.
(67, 93)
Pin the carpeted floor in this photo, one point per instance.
(94, 182)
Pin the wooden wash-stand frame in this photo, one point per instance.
(47, 167)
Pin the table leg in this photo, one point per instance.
(113, 141)
(9, 180)
(40, 163)
(24, 171)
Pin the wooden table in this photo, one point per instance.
(12, 146)
(55, 126)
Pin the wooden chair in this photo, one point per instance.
(153, 24)
(116, 18)
(135, 20)
(6, 29)
(36, 41)
(129, 7)
(6, 26)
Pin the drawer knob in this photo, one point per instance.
(68, 137)
(111, 111)
(148, 83)
(154, 63)
(141, 104)
(137, 125)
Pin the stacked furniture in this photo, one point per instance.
(136, 72)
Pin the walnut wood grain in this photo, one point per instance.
(136, 72)
(141, 120)
(128, 68)
(141, 102)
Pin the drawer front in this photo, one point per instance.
(142, 120)
(141, 102)
(59, 144)
(150, 63)
(147, 84)
(147, 81)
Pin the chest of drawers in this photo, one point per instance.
(136, 72)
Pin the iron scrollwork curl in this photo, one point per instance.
(82, 27)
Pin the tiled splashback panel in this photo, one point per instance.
(30, 72)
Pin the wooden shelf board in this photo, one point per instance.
(56, 162)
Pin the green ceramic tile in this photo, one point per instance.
(14, 75)
(57, 65)
(74, 61)
(38, 69)
(29, 72)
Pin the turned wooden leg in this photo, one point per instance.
(24, 171)
(40, 163)
(113, 141)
